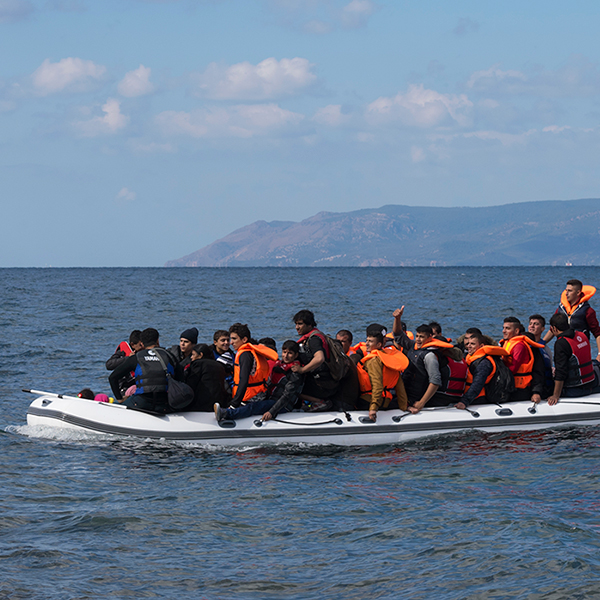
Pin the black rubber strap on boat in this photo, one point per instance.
(336, 421)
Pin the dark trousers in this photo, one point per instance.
(260, 407)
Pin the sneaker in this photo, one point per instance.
(219, 412)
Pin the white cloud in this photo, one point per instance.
(112, 121)
(356, 13)
(68, 74)
(420, 107)
(244, 81)
(491, 77)
(579, 77)
(15, 10)
(234, 121)
(556, 129)
(506, 139)
(126, 195)
(330, 115)
(136, 83)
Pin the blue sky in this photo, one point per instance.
(134, 132)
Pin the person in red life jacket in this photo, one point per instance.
(150, 377)
(536, 327)
(580, 315)
(206, 377)
(379, 374)
(488, 379)
(526, 365)
(183, 351)
(574, 374)
(282, 394)
(125, 349)
(251, 366)
(345, 337)
(319, 385)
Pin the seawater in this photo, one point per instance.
(472, 515)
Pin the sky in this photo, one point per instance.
(133, 132)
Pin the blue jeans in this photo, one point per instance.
(260, 407)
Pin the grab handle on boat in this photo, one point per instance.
(474, 413)
(504, 412)
(532, 409)
(398, 418)
(366, 420)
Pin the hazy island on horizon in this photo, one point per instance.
(542, 233)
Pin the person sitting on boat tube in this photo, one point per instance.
(124, 350)
(206, 377)
(359, 351)
(222, 354)
(183, 351)
(319, 386)
(282, 394)
(150, 377)
(437, 373)
(379, 374)
(574, 374)
(580, 315)
(489, 380)
(251, 366)
(536, 327)
(526, 365)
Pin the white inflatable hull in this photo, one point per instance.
(334, 428)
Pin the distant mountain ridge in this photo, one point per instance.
(552, 232)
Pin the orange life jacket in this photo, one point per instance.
(523, 375)
(587, 290)
(484, 352)
(394, 363)
(257, 382)
(360, 346)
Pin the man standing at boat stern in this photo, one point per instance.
(580, 315)
(150, 377)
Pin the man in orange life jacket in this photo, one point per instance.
(251, 367)
(284, 387)
(580, 315)
(574, 374)
(526, 365)
(483, 360)
(379, 373)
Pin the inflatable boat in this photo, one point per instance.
(336, 428)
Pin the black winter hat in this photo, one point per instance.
(191, 335)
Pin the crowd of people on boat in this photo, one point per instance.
(237, 376)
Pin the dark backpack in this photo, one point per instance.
(502, 385)
(337, 361)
